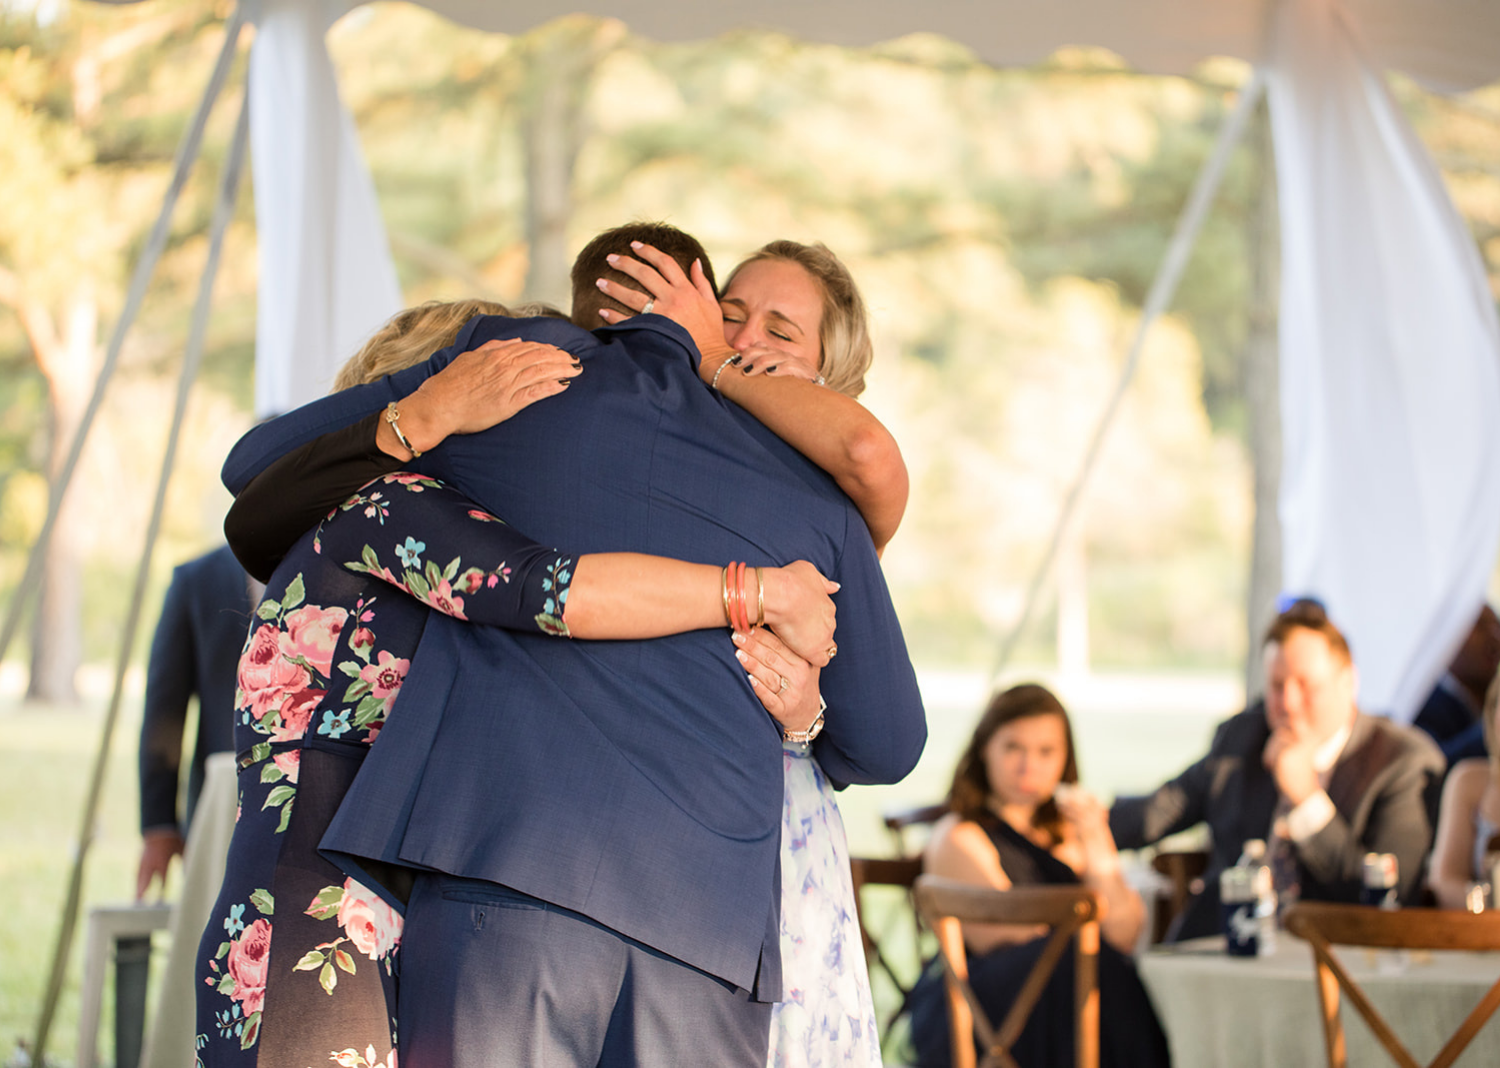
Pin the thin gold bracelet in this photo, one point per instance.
(760, 596)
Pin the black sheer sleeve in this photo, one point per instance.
(295, 493)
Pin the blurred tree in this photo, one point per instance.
(65, 176)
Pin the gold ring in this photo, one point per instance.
(833, 650)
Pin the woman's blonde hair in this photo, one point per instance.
(845, 334)
(409, 337)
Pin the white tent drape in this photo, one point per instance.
(326, 274)
(1390, 368)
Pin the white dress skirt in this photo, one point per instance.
(826, 1017)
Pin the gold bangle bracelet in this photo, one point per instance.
(724, 589)
(760, 596)
(391, 415)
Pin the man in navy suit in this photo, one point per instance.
(596, 825)
(195, 652)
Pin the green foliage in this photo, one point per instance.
(1005, 225)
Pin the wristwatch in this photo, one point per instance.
(814, 728)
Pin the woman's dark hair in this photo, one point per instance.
(971, 791)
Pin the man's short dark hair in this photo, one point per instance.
(591, 265)
(1307, 614)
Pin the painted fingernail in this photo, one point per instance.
(753, 681)
(600, 283)
(612, 258)
(772, 368)
(636, 244)
(578, 365)
(564, 381)
(748, 368)
(737, 638)
(739, 654)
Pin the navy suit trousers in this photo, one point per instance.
(493, 978)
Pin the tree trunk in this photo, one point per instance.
(553, 128)
(1263, 404)
(69, 363)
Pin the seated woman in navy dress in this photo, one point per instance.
(296, 966)
(1018, 818)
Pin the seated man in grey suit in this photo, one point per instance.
(1322, 782)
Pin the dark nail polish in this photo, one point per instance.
(772, 368)
(564, 381)
(748, 368)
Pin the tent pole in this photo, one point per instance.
(229, 186)
(187, 155)
(1163, 288)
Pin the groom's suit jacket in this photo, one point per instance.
(1384, 787)
(636, 782)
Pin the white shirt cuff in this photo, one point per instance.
(1310, 817)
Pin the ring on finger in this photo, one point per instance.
(647, 309)
(785, 682)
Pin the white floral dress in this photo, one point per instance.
(826, 1016)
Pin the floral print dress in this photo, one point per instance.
(297, 965)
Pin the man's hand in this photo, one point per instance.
(1288, 757)
(158, 847)
(480, 388)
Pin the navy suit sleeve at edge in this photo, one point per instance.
(875, 727)
(264, 444)
(169, 688)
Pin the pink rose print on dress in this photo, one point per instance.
(249, 956)
(350, 1058)
(290, 763)
(313, 633)
(296, 714)
(385, 677)
(446, 601)
(373, 927)
(265, 675)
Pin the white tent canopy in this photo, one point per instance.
(1390, 349)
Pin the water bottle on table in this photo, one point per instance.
(1248, 903)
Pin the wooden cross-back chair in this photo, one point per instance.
(899, 872)
(1326, 925)
(1069, 910)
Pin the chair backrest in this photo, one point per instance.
(1068, 910)
(1325, 925)
(898, 821)
(900, 872)
(1185, 870)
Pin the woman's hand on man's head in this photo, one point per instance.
(689, 301)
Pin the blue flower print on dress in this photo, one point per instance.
(411, 552)
(335, 724)
(234, 923)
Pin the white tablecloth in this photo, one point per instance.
(1262, 1012)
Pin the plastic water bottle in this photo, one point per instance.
(1239, 904)
(1254, 854)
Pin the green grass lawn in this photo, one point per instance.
(1131, 734)
(44, 767)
